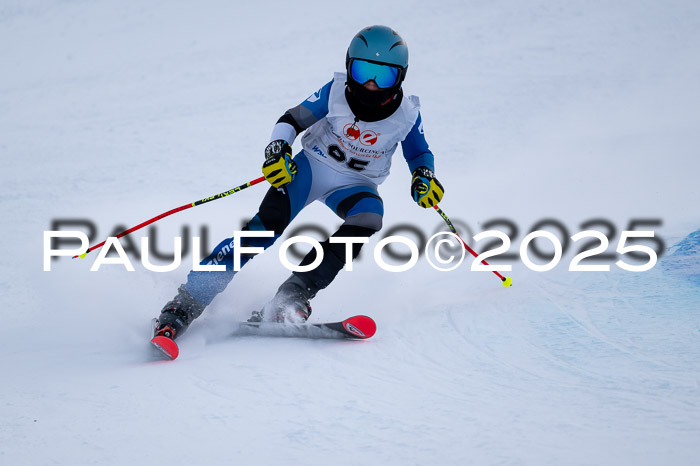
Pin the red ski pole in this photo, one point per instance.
(173, 211)
(507, 281)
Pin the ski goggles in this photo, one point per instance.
(384, 75)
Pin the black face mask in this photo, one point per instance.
(372, 105)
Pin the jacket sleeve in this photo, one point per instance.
(297, 119)
(415, 148)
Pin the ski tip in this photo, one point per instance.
(360, 326)
(167, 346)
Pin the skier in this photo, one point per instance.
(353, 125)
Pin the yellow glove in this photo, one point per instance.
(279, 168)
(426, 190)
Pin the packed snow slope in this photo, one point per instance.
(581, 112)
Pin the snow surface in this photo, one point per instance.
(117, 111)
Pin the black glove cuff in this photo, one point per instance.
(278, 147)
(424, 172)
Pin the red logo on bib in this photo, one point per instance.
(366, 138)
(351, 131)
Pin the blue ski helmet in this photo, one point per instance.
(380, 45)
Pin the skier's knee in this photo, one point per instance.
(364, 209)
(367, 221)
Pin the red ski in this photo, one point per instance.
(166, 345)
(356, 327)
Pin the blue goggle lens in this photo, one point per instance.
(384, 75)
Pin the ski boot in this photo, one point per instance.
(174, 319)
(290, 304)
(177, 314)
